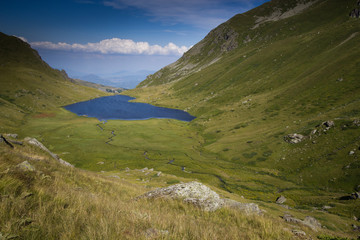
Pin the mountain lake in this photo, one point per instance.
(118, 107)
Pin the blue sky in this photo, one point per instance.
(111, 36)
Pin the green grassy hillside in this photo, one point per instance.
(29, 85)
(273, 79)
(263, 75)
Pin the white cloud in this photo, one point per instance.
(22, 38)
(115, 46)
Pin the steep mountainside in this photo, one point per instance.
(285, 67)
(30, 85)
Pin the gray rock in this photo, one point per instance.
(249, 208)
(326, 207)
(309, 221)
(281, 199)
(351, 152)
(36, 143)
(355, 13)
(158, 174)
(291, 219)
(199, 195)
(329, 124)
(294, 138)
(356, 122)
(11, 135)
(355, 227)
(355, 195)
(299, 233)
(312, 223)
(26, 167)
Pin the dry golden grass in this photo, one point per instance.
(57, 202)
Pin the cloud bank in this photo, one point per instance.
(115, 46)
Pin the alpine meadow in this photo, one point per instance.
(273, 151)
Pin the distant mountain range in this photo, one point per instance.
(127, 80)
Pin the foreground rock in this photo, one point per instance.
(36, 143)
(201, 196)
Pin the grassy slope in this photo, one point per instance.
(29, 85)
(289, 71)
(57, 202)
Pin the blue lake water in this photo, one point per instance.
(119, 107)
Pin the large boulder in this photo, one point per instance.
(201, 196)
(192, 192)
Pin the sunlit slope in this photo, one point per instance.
(29, 85)
(282, 68)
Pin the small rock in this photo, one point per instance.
(25, 166)
(351, 152)
(289, 218)
(249, 208)
(127, 169)
(326, 207)
(329, 124)
(312, 222)
(158, 174)
(11, 135)
(355, 195)
(100, 163)
(280, 200)
(355, 227)
(356, 122)
(294, 138)
(144, 169)
(298, 233)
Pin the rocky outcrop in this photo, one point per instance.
(281, 199)
(201, 196)
(294, 138)
(25, 167)
(309, 221)
(36, 143)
